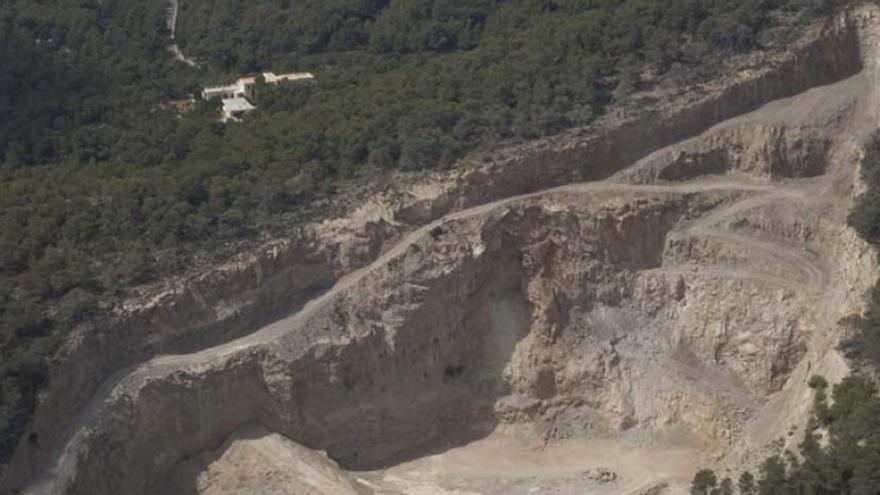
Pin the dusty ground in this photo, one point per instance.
(510, 462)
(517, 463)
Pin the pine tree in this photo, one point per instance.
(773, 480)
(817, 474)
(866, 475)
(704, 482)
(746, 484)
(725, 488)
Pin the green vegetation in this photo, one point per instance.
(746, 484)
(704, 482)
(96, 177)
(865, 218)
(848, 460)
(840, 453)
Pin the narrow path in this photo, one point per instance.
(727, 273)
(171, 23)
(813, 275)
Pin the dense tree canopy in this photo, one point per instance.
(97, 174)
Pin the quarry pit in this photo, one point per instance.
(605, 314)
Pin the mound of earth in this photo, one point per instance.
(254, 460)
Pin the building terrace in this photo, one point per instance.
(236, 96)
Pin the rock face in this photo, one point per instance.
(695, 287)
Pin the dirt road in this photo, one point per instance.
(171, 24)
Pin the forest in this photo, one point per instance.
(103, 186)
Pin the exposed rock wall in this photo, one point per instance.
(434, 338)
(565, 311)
(767, 152)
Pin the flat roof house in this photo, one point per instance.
(235, 108)
(243, 88)
(236, 96)
(271, 78)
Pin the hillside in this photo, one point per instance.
(104, 189)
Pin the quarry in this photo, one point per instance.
(602, 312)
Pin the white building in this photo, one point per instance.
(235, 108)
(271, 78)
(236, 96)
(243, 88)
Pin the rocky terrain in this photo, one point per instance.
(601, 312)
